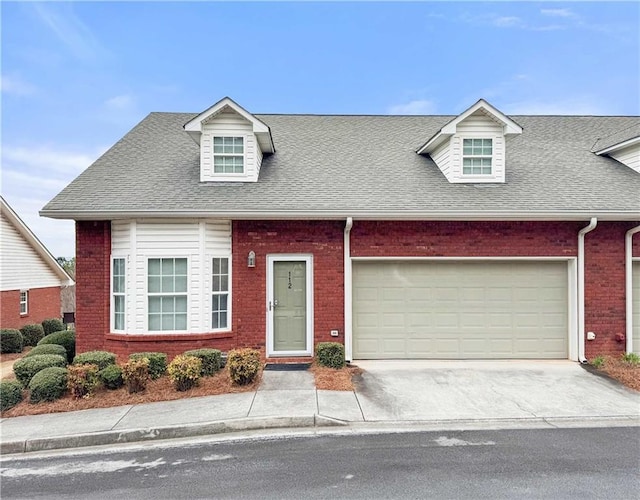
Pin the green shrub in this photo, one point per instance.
(101, 359)
(32, 334)
(48, 384)
(157, 362)
(244, 365)
(11, 340)
(631, 358)
(52, 325)
(135, 374)
(111, 377)
(211, 360)
(10, 394)
(65, 338)
(27, 367)
(48, 349)
(82, 380)
(330, 354)
(184, 371)
(598, 362)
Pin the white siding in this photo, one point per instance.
(198, 241)
(441, 156)
(629, 156)
(229, 124)
(21, 267)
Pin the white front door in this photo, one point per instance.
(289, 305)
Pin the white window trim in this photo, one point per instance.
(146, 293)
(491, 157)
(244, 156)
(229, 295)
(24, 302)
(112, 302)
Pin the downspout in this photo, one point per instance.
(348, 319)
(628, 264)
(581, 334)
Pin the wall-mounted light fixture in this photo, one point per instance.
(251, 259)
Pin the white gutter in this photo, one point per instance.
(581, 334)
(628, 264)
(348, 294)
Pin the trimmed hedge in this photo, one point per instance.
(111, 377)
(184, 372)
(48, 384)
(157, 362)
(52, 325)
(136, 374)
(65, 338)
(10, 394)
(27, 367)
(330, 354)
(101, 359)
(82, 380)
(47, 349)
(211, 360)
(244, 365)
(11, 340)
(32, 334)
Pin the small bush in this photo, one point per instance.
(65, 338)
(111, 377)
(244, 365)
(184, 372)
(631, 358)
(48, 384)
(82, 380)
(157, 362)
(211, 360)
(10, 394)
(52, 325)
(597, 362)
(101, 359)
(27, 367)
(47, 349)
(11, 340)
(135, 374)
(32, 334)
(330, 354)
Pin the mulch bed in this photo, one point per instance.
(626, 373)
(332, 379)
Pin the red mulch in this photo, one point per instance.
(333, 379)
(625, 373)
(14, 355)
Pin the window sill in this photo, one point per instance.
(151, 336)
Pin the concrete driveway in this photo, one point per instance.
(446, 390)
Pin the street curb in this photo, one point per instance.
(169, 432)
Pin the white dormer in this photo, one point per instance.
(471, 147)
(623, 146)
(232, 142)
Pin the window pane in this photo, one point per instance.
(167, 267)
(154, 322)
(216, 283)
(168, 322)
(223, 302)
(224, 266)
(155, 304)
(180, 304)
(180, 284)
(224, 283)
(154, 284)
(181, 322)
(167, 284)
(154, 267)
(222, 320)
(118, 323)
(181, 266)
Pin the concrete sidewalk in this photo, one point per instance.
(387, 397)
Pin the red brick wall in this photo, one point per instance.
(172, 345)
(323, 239)
(43, 303)
(93, 250)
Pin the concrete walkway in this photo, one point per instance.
(389, 395)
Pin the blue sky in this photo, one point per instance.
(77, 76)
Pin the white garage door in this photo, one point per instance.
(460, 310)
(636, 307)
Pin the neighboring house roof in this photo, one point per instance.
(618, 140)
(20, 248)
(358, 166)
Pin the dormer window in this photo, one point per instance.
(228, 155)
(477, 156)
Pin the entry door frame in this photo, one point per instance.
(271, 260)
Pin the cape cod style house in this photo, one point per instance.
(31, 279)
(477, 236)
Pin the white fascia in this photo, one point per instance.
(628, 257)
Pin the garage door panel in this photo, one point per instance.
(460, 310)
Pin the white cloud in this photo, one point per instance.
(566, 13)
(120, 102)
(16, 86)
(47, 159)
(507, 21)
(61, 19)
(415, 107)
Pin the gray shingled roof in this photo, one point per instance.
(361, 166)
(617, 137)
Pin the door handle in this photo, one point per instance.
(273, 305)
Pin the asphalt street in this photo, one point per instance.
(541, 463)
